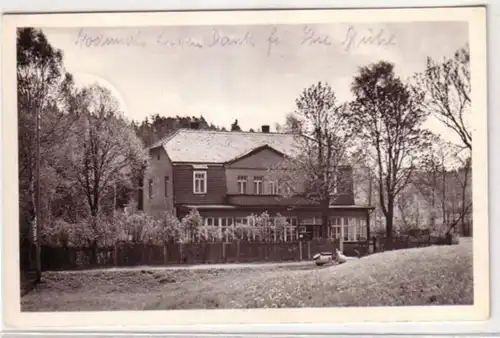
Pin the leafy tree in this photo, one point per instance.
(386, 115)
(43, 90)
(155, 127)
(292, 125)
(445, 89)
(325, 150)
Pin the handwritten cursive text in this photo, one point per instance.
(87, 40)
(311, 37)
(222, 40)
(273, 40)
(166, 41)
(353, 39)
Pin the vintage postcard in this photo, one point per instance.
(299, 166)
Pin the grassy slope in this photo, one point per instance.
(434, 275)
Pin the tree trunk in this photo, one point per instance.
(464, 197)
(324, 219)
(93, 244)
(389, 223)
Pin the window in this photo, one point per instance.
(257, 185)
(273, 188)
(222, 224)
(209, 223)
(159, 156)
(335, 227)
(242, 184)
(225, 224)
(150, 188)
(248, 233)
(335, 181)
(166, 186)
(291, 231)
(241, 220)
(200, 182)
(362, 230)
(351, 229)
(346, 227)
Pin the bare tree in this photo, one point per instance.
(386, 116)
(446, 92)
(462, 175)
(443, 181)
(323, 151)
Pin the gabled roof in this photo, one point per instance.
(254, 151)
(208, 146)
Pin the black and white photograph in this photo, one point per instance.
(249, 164)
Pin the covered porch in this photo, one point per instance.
(349, 223)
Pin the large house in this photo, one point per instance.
(225, 176)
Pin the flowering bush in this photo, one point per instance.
(168, 229)
(135, 227)
(190, 225)
(57, 233)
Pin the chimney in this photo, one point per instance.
(195, 125)
(265, 128)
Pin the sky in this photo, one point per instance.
(252, 73)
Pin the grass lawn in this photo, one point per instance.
(425, 276)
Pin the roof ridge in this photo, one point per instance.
(234, 132)
(162, 141)
(201, 145)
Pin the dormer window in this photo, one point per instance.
(199, 182)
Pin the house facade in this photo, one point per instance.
(225, 176)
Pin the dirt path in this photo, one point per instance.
(201, 267)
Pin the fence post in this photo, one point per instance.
(300, 250)
(165, 257)
(237, 250)
(180, 252)
(308, 249)
(223, 251)
(115, 255)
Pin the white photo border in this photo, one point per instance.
(14, 318)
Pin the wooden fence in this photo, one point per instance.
(126, 255)
(415, 239)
